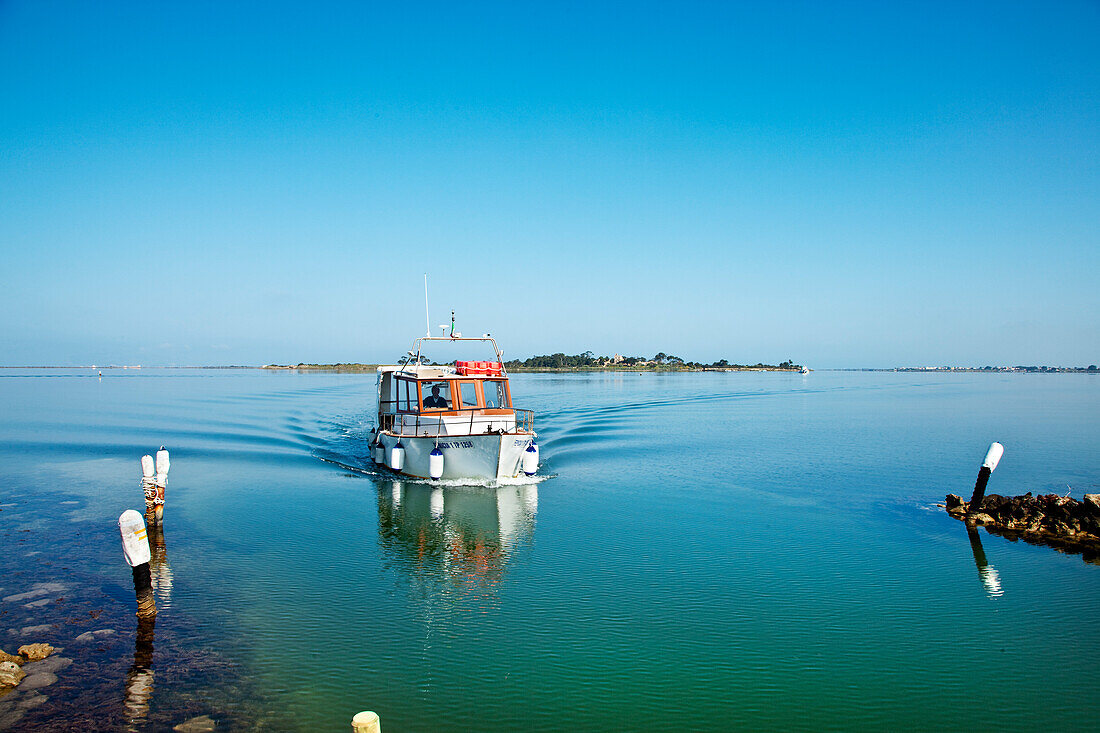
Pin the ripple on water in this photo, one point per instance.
(793, 556)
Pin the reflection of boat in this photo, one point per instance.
(453, 421)
(464, 535)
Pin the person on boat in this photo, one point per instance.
(434, 400)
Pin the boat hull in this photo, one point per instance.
(483, 457)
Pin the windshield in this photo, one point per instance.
(496, 394)
(435, 395)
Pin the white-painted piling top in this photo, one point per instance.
(366, 722)
(993, 456)
(135, 540)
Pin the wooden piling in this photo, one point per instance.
(149, 488)
(366, 722)
(143, 591)
(979, 490)
(161, 483)
(135, 547)
(992, 458)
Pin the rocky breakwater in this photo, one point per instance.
(1060, 521)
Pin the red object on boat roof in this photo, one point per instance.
(479, 368)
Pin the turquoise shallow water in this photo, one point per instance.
(709, 551)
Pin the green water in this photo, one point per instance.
(706, 552)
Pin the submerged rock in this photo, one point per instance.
(53, 664)
(201, 724)
(9, 719)
(32, 700)
(28, 630)
(37, 681)
(10, 674)
(36, 591)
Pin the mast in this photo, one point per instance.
(427, 319)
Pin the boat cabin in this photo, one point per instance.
(446, 400)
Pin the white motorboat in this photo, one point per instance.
(453, 421)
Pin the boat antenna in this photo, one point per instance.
(427, 318)
(452, 324)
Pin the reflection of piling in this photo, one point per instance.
(139, 680)
(159, 569)
(991, 580)
(366, 722)
(992, 457)
(976, 547)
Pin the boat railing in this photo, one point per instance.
(397, 422)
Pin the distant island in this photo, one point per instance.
(1090, 369)
(341, 367)
(661, 361)
(587, 361)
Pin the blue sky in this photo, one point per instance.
(844, 184)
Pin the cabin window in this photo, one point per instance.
(496, 394)
(406, 396)
(435, 395)
(468, 392)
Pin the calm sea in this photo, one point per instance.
(705, 552)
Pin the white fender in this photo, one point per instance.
(135, 540)
(435, 463)
(397, 457)
(147, 469)
(531, 459)
(378, 452)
